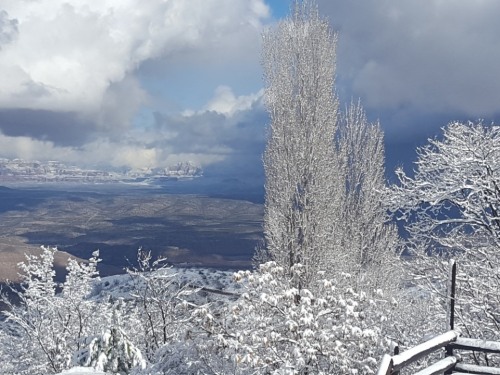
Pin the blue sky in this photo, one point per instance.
(279, 8)
(148, 84)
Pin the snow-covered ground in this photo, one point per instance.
(81, 370)
(212, 282)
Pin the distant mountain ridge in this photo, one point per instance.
(55, 171)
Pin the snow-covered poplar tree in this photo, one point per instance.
(299, 67)
(367, 243)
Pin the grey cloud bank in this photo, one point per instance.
(437, 56)
(418, 65)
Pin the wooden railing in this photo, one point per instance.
(450, 341)
(450, 364)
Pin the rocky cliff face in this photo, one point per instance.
(23, 170)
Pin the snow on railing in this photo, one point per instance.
(450, 364)
(391, 365)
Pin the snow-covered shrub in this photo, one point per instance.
(111, 352)
(276, 328)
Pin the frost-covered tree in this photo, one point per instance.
(81, 313)
(366, 243)
(27, 340)
(451, 209)
(160, 301)
(44, 327)
(454, 198)
(299, 66)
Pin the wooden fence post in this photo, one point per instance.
(396, 352)
(451, 293)
(451, 306)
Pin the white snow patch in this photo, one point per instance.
(82, 370)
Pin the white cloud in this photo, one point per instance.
(104, 153)
(226, 103)
(67, 54)
(32, 149)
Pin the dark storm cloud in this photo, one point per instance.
(237, 138)
(417, 65)
(61, 128)
(437, 56)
